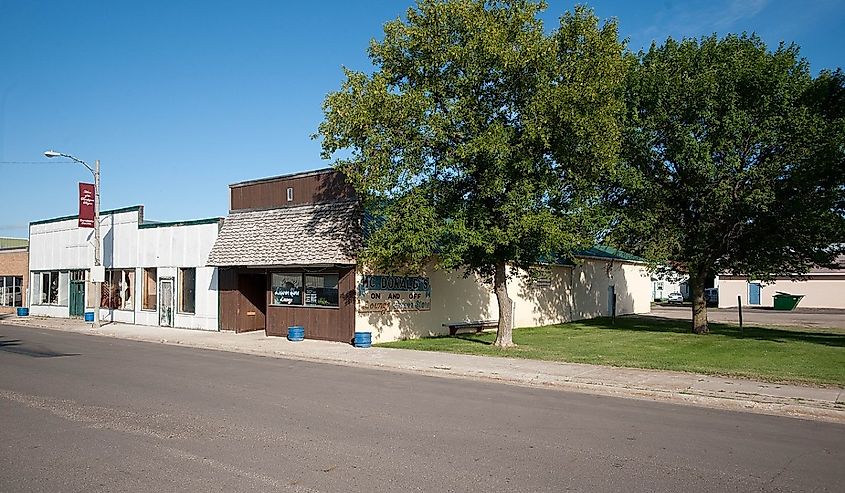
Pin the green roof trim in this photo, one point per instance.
(606, 252)
(173, 224)
(75, 216)
(13, 243)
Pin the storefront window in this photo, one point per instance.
(46, 288)
(187, 290)
(11, 291)
(321, 289)
(118, 291)
(150, 283)
(299, 289)
(287, 289)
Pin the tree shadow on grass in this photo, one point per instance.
(647, 323)
(469, 337)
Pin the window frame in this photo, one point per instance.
(123, 279)
(9, 287)
(145, 294)
(303, 285)
(181, 291)
(39, 295)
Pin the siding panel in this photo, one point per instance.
(325, 187)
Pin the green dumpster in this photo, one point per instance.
(786, 301)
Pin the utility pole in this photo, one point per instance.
(98, 285)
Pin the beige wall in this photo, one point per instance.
(818, 292)
(574, 293)
(15, 263)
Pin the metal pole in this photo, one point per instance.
(739, 307)
(98, 288)
(613, 313)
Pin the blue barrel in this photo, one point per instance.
(296, 333)
(23, 311)
(89, 316)
(363, 339)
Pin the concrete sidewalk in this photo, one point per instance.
(827, 404)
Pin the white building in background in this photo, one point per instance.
(156, 272)
(666, 280)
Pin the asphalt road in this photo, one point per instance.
(800, 317)
(83, 413)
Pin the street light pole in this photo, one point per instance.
(98, 289)
(98, 294)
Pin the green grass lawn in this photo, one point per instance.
(782, 354)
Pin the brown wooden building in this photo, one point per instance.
(286, 256)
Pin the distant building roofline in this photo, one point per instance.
(299, 174)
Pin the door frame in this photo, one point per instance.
(759, 297)
(611, 302)
(81, 293)
(161, 281)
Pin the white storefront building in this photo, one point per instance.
(155, 272)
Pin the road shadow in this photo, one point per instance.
(17, 346)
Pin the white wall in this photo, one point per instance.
(574, 293)
(62, 245)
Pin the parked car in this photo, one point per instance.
(711, 296)
(675, 298)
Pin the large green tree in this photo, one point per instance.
(478, 139)
(736, 155)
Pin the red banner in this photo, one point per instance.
(86, 205)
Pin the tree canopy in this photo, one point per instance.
(480, 140)
(735, 161)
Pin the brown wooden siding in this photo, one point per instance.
(330, 324)
(229, 296)
(329, 186)
(242, 307)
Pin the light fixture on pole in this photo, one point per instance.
(97, 263)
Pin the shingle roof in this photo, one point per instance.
(304, 235)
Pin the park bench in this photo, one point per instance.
(477, 325)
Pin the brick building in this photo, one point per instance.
(14, 265)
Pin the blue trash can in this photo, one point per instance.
(89, 316)
(296, 333)
(23, 311)
(363, 339)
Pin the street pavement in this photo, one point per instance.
(112, 414)
(807, 402)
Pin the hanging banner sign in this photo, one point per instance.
(86, 205)
(378, 293)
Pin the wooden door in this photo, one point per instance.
(76, 299)
(165, 303)
(252, 307)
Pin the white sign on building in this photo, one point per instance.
(380, 293)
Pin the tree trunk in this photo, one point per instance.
(699, 304)
(504, 334)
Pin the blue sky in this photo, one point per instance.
(178, 99)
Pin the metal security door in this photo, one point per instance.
(753, 294)
(165, 303)
(76, 299)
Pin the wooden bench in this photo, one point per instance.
(478, 325)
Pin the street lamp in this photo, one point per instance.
(96, 172)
